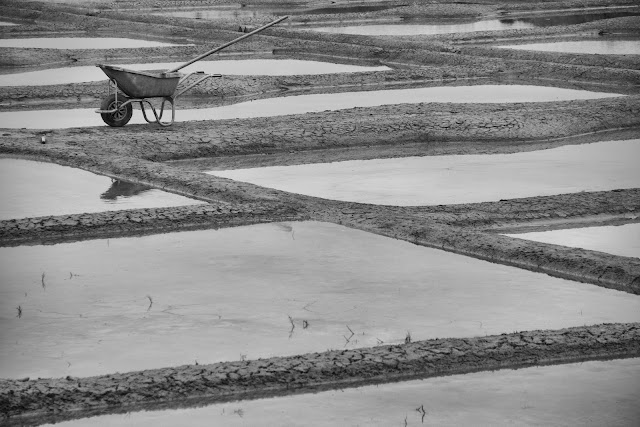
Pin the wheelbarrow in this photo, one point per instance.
(127, 87)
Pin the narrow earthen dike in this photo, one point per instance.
(31, 402)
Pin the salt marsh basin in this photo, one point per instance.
(622, 240)
(590, 47)
(257, 67)
(173, 299)
(452, 179)
(301, 104)
(80, 43)
(32, 189)
(588, 394)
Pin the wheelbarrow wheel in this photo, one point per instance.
(121, 116)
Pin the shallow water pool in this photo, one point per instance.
(592, 47)
(32, 189)
(80, 43)
(301, 104)
(424, 29)
(623, 240)
(453, 179)
(416, 28)
(116, 305)
(241, 11)
(257, 67)
(601, 393)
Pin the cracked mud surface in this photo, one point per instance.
(172, 159)
(195, 385)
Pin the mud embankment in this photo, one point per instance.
(433, 126)
(138, 222)
(32, 402)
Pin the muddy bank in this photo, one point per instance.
(447, 227)
(32, 402)
(426, 226)
(431, 125)
(138, 222)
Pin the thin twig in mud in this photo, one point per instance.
(150, 303)
(407, 339)
(405, 420)
(43, 284)
(72, 275)
(19, 312)
(422, 412)
(240, 412)
(305, 324)
(306, 307)
(293, 326)
(379, 341)
(350, 336)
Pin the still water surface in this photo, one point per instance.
(214, 295)
(256, 67)
(593, 47)
(301, 104)
(600, 393)
(416, 28)
(453, 179)
(80, 43)
(32, 189)
(255, 11)
(623, 240)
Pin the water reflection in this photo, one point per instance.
(123, 189)
(41, 189)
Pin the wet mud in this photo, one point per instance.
(172, 159)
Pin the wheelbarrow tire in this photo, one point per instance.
(120, 117)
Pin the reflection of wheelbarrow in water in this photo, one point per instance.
(138, 86)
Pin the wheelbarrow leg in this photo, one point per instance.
(158, 117)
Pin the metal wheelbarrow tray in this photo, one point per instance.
(131, 86)
(141, 84)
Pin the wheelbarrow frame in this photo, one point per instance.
(140, 86)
